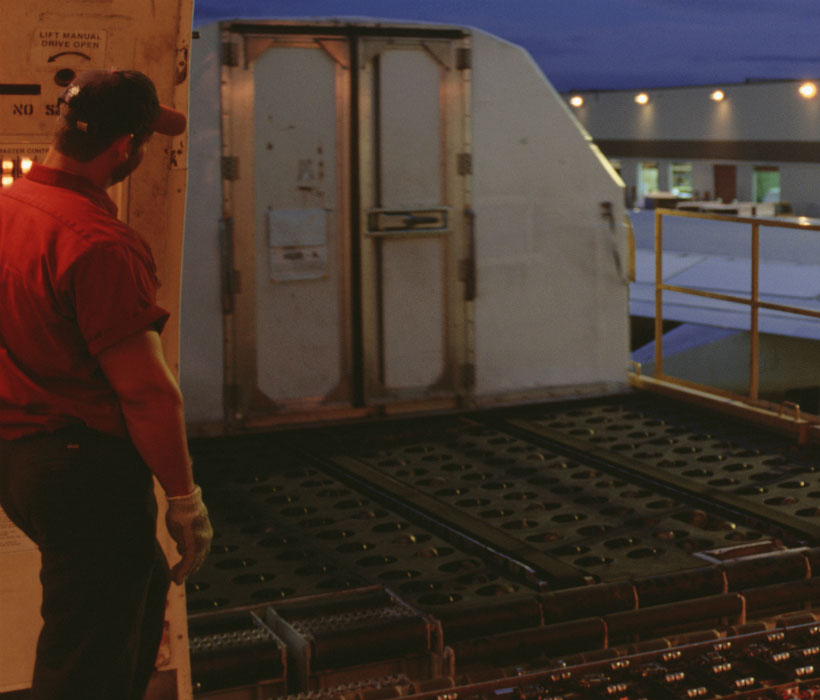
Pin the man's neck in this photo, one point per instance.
(91, 171)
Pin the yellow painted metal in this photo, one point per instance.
(754, 375)
(701, 293)
(799, 311)
(658, 292)
(806, 429)
(630, 242)
(774, 223)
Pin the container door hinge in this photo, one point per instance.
(466, 274)
(230, 168)
(467, 266)
(230, 54)
(464, 58)
(468, 375)
(232, 397)
(231, 279)
(465, 163)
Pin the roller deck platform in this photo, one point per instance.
(457, 550)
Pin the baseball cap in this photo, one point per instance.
(112, 103)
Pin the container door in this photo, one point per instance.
(324, 136)
(414, 175)
(285, 139)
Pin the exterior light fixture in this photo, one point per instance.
(25, 164)
(576, 101)
(717, 95)
(642, 98)
(808, 90)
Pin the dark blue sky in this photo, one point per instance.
(604, 44)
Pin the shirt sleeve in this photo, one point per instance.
(114, 292)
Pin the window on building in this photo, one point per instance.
(647, 178)
(680, 179)
(767, 184)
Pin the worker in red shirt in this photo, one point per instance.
(89, 410)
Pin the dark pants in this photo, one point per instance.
(87, 500)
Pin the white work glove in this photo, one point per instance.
(188, 523)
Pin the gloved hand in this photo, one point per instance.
(188, 523)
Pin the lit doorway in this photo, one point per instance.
(767, 184)
(647, 179)
(680, 180)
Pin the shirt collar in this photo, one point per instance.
(70, 181)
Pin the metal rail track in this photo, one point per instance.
(505, 538)
(796, 530)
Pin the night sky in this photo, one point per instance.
(604, 44)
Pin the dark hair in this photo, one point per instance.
(99, 106)
(80, 145)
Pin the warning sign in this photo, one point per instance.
(60, 46)
(56, 54)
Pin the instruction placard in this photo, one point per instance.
(80, 47)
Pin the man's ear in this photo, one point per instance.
(121, 146)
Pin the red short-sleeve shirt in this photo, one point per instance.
(74, 280)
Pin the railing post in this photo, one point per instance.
(752, 299)
(754, 347)
(658, 296)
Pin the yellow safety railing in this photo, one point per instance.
(752, 301)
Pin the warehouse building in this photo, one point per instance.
(742, 144)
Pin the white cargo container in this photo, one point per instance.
(389, 217)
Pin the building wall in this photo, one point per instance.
(802, 179)
(759, 124)
(800, 183)
(764, 111)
